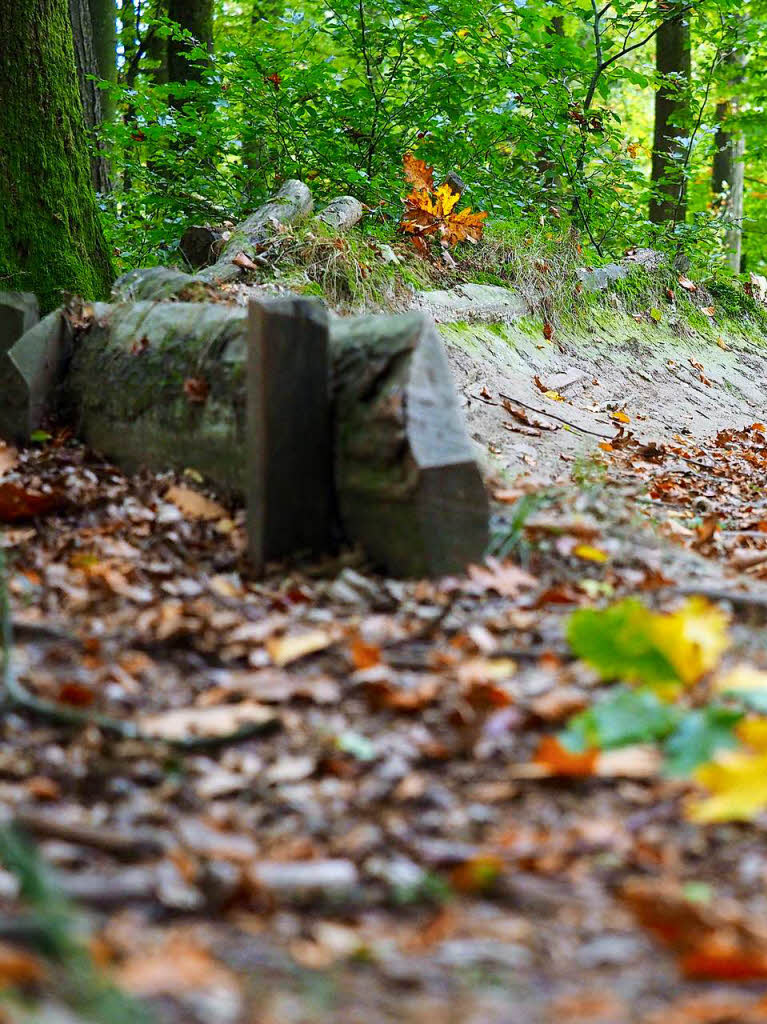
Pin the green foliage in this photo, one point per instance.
(542, 108)
(698, 736)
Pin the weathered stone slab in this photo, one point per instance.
(162, 385)
(40, 357)
(289, 469)
(159, 284)
(18, 313)
(597, 279)
(409, 489)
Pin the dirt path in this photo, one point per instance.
(389, 848)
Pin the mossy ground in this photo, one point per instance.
(366, 269)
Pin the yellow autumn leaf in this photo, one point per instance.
(737, 781)
(693, 639)
(554, 395)
(446, 199)
(590, 553)
(753, 732)
(620, 417)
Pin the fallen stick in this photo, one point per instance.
(291, 203)
(125, 845)
(553, 416)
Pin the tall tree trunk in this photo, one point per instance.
(90, 94)
(103, 20)
(195, 16)
(50, 237)
(157, 46)
(672, 101)
(728, 170)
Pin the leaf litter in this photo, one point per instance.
(519, 770)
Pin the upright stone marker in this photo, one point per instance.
(289, 470)
(18, 313)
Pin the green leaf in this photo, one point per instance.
(624, 718)
(40, 435)
(619, 644)
(658, 649)
(698, 736)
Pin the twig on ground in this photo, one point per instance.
(125, 845)
(553, 416)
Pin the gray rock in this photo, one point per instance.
(471, 952)
(561, 380)
(597, 279)
(39, 357)
(609, 950)
(388, 255)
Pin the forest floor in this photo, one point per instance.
(399, 841)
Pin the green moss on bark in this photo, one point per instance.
(50, 237)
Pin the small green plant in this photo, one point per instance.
(508, 536)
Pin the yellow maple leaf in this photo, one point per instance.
(590, 554)
(446, 200)
(430, 211)
(693, 639)
(465, 226)
(736, 780)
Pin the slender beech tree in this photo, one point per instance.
(50, 237)
(90, 94)
(728, 170)
(672, 106)
(104, 24)
(195, 16)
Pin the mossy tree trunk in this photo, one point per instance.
(50, 237)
